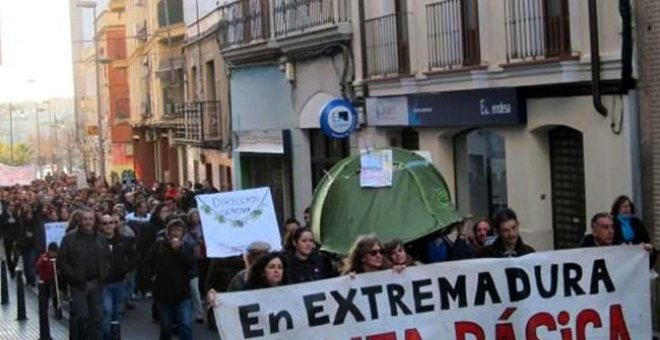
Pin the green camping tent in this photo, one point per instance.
(417, 204)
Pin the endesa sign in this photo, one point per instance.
(482, 107)
(599, 293)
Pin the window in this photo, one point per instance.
(326, 152)
(481, 185)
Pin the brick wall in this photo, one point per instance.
(648, 44)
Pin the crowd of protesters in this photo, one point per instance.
(125, 241)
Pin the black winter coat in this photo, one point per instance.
(641, 234)
(169, 269)
(312, 269)
(73, 255)
(123, 258)
(497, 249)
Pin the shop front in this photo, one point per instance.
(545, 157)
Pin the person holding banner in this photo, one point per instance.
(267, 272)
(602, 231)
(508, 242)
(397, 255)
(629, 229)
(366, 255)
(304, 263)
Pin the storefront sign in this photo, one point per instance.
(483, 107)
(338, 119)
(572, 294)
(387, 111)
(501, 106)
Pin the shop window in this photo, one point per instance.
(406, 139)
(326, 152)
(481, 186)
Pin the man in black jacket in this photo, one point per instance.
(169, 266)
(10, 229)
(84, 262)
(122, 261)
(508, 242)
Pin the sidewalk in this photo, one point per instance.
(28, 329)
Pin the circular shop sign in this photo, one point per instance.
(338, 118)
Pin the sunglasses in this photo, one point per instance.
(376, 252)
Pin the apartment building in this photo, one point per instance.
(285, 60)
(203, 130)
(156, 82)
(508, 101)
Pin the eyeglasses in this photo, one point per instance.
(106, 223)
(376, 252)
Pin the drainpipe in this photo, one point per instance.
(595, 59)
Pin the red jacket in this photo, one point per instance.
(45, 267)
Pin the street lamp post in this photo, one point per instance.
(99, 120)
(11, 133)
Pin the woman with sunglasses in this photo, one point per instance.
(365, 256)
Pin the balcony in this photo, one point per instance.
(174, 12)
(199, 123)
(536, 29)
(387, 45)
(262, 29)
(453, 34)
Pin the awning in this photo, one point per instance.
(270, 142)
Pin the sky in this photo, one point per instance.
(36, 50)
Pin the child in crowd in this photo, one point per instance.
(47, 272)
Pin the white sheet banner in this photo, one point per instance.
(55, 232)
(13, 175)
(233, 220)
(598, 293)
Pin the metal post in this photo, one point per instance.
(99, 120)
(44, 326)
(11, 133)
(4, 284)
(36, 113)
(58, 309)
(20, 296)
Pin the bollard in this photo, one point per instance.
(44, 326)
(4, 284)
(20, 296)
(115, 330)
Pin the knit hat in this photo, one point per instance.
(175, 223)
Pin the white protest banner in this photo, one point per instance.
(597, 293)
(81, 180)
(55, 232)
(17, 175)
(233, 220)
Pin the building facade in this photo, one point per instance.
(648, 35)
(203, 131)
(285, 60)
(115, 99)
(499, 93)
(156, 82)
